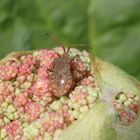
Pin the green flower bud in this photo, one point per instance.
(11, 108)
(123, 98)
(56, 105)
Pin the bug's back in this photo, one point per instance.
(62, 77)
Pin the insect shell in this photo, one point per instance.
(62, 79)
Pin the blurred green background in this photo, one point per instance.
(111, 27)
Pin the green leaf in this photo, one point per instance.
(23, 24)
(117, 38)
(111, 27)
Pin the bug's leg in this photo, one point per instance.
(37, 64)
(58, 54)
(72, 87)
(50, 70)
(77, 75)
(63, 49)
(71, 62)
(68, 49)
(76, 56)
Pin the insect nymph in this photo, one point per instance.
(63, 77)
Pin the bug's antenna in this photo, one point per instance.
(53, 38)
(76, 56)
(68, 50)
(63, 49)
